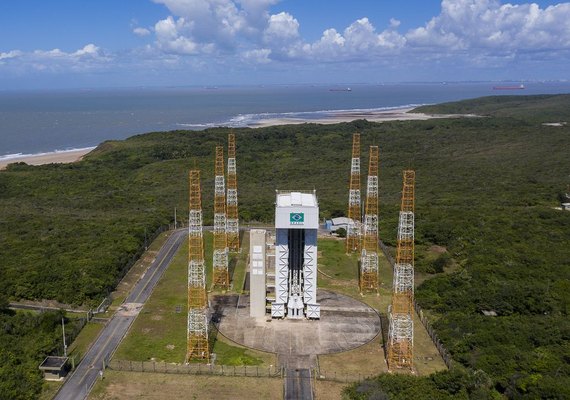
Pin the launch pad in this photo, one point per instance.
(345, 324)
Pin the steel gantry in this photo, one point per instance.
(401, 331)
(369, 256)
(197, 333)
(354, 228)
(220, 276)
(232, 197)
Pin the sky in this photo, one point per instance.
(134, 43)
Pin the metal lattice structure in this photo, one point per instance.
(354, 214)
(220, 276)
(197, 334)
(401, 331)
(369, 256)
(232, 222)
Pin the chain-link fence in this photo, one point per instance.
(196, 369)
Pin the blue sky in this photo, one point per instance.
(110, 43)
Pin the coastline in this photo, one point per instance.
(394, 114)
(335, 117)
(62, 156)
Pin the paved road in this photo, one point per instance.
(87, 372)
(298, 385)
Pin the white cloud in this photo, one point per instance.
(216, 22)
(141, 31)
(10, 54)
(359, 40)
(88, 57)
(257, 56)
(201, 33)
(88, 50)
(491, 26)
(170, 37)
(394, 23)
(281, 27)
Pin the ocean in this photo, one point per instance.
(35, 122)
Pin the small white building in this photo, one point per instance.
(337, 223)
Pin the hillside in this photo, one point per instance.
(486, 188)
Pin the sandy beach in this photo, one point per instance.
(47, 158)
(397, 114)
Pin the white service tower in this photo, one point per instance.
(296, 225)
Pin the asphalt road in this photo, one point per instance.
(298, 384)
(78, 385)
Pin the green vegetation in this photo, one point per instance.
(340, 274)
(334, 262)
(26, 338)
(455, 384)
(159, 332)
(486, 188)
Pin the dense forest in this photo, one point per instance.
(26, 338)
(486, 191)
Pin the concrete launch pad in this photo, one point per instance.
(345, 324)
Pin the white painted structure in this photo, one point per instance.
(296, 225)
(257, 284)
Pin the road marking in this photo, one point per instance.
(95, 359)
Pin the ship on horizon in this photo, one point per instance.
(509, 87)
(340, 89)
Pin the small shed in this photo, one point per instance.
(54, 368)
(337, 223)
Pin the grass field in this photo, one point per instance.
(327, 390)
(118, 385)
(368, 359)
(159, 332)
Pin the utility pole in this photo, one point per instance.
(63, 331)
(175, 218)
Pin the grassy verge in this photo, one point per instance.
(326, 390)
(118, 385)
(136, 271)
(49, 389)
(238, 275)
(159, 332)
(81, 344)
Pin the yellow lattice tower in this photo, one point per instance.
(354, 214)
(220, 276)
(369, 258)
(232, 198)
(401, 331)
(197, 332)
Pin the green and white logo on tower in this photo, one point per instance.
(297, 218)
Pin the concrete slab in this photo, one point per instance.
(345, 324)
